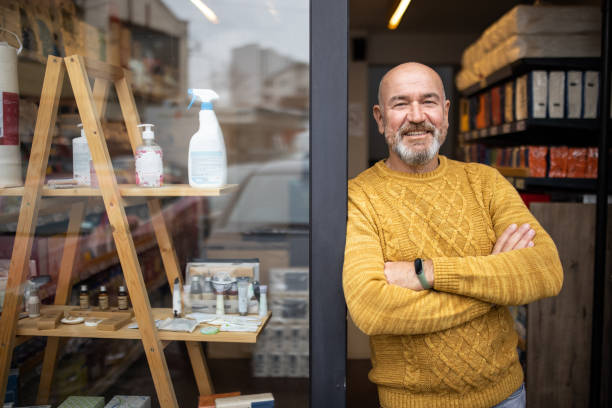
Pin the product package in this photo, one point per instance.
(208, 401)
(247, 401)
(591, 165)
(556, 94)
(82, 402)
(234, 267)
(558, 162)
(576, 162)
(129, 401)
(537, 160)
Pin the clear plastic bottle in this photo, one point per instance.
(149, 165)
(263, 300)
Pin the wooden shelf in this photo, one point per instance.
(27, 327)
(128, 190)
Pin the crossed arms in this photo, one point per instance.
(386, 298)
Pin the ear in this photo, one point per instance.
(378, 116)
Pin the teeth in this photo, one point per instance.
(415, 133)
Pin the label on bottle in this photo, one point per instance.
(84, 301)
(149, 168)
(207, 167)
(9, 119)
(122, 302)
(81, 163)
(103, 302)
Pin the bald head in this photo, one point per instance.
(408, 72)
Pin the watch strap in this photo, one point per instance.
(418, 269)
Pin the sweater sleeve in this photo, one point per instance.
(381, 308)
(510, 278)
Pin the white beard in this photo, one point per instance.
(416, 158)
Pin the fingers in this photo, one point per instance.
(526, 239)
(503, 238)
(514, 238)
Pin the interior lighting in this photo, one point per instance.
(398, 14)
(208, 13)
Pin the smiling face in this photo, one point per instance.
(413, 115)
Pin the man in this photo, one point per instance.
(435, 251)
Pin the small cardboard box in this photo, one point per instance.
(265, 400)
(129, 401)
(208, 401)
(83, 402)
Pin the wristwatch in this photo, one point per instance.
(418, 269)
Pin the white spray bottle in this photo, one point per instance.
(207, 163)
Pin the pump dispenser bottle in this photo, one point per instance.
(149, 166)
(207, 163)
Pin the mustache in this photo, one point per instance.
(420, 127)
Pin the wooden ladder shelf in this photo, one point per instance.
(92, 106)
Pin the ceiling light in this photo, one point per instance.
(208, 13)
(398, 14)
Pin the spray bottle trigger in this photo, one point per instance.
(191, 103)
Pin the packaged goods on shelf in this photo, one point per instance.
(576, 162)
(558, 162)
(574, 94)
(556, 94)
(129, 401)
(591, 165)
(591, 95)
(208, 401)
(497, 104)
(289, 280)
(255, 400)
(531, 32)
(82, 402)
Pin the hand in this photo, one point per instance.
(403, 274)
(514, 237)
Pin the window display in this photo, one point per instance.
(111, 225)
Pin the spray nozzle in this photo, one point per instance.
(147, 133)
(205, 96)
(80, 126)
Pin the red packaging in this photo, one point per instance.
(496, 107)
(576, 162)
(591, 165)
(537, 160)
(558, 162)
(483, 116)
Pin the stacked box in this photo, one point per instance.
(282, 349)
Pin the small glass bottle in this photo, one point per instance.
(84, 297)
(103, 298)
(33, 304)
(263, 300)
(122, 299)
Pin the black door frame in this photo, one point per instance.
(328, 196)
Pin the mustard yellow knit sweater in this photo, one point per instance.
(454, 346)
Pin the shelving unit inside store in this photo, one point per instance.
(550, 132)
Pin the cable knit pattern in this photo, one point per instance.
(454, 346)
